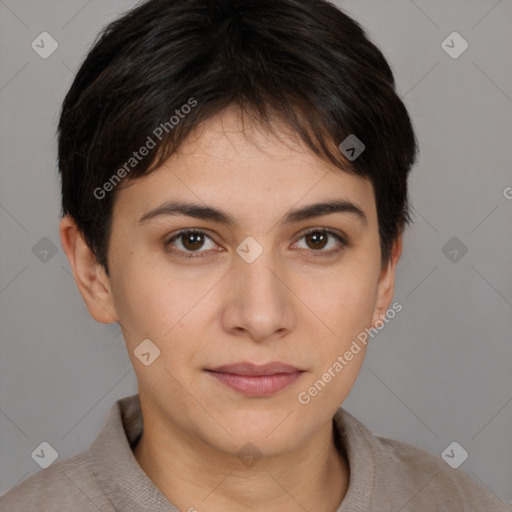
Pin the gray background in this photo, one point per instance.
(439, 372)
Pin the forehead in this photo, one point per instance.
(238, 164)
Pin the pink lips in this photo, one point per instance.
(254, 380)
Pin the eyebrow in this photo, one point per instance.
(199, 211)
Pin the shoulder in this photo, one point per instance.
(405, 467)
(68, 484)
(394, 475)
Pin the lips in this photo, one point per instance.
(256, 370)
(256, 380)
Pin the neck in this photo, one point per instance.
(195, 476)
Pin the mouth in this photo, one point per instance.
(256, 380)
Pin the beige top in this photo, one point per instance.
(385, 475)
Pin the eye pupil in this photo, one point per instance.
(316, 237)
(193, 241)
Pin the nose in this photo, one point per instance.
(260, 303)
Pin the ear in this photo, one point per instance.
(386, 285)
(90, 276)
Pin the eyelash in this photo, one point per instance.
(202, 254)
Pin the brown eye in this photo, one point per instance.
(192, 241)
(317, 239)
(188, 243)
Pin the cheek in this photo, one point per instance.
(147, 305)
(170, 310)
(156, 309)
(344, 306)
(343, 303)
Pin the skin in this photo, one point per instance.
(288, 305)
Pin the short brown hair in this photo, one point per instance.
(306, 62)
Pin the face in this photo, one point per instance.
(267, 287)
